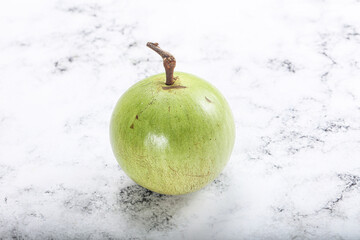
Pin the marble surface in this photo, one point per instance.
(289, 69)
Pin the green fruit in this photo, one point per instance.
(172, 139)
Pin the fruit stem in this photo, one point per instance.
(169, 62)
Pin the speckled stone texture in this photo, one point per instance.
(289, 70)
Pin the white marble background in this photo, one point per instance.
(289, 69)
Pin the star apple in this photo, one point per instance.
(172, 133)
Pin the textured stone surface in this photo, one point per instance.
(290, 72)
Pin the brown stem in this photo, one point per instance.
(169, 62)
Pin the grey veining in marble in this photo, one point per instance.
(289, 69)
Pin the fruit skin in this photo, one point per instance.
(172, 139)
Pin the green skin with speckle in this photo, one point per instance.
(172, 139)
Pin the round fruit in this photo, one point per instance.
(172, 138)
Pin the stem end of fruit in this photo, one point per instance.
(169, 62)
